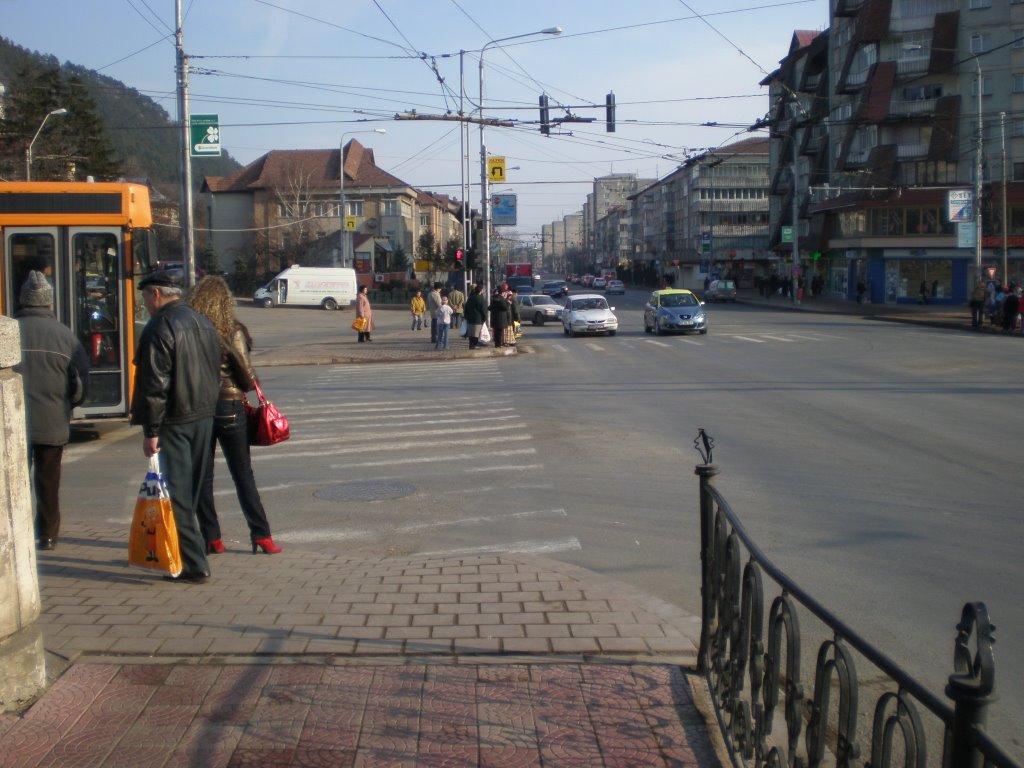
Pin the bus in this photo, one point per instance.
(93, 241)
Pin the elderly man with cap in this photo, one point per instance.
(177, 382)
(55, 369)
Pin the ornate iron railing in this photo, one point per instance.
(754, 679)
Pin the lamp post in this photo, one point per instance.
(344, 239)
(484, 191)
(28, 151)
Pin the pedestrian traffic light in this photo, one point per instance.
(458, 259)
(609, 112)
(545, 115)
(471, 259)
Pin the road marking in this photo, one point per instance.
(375, 408)
(386, 436)
(748, 338)
(75, 452)
(595, 347)
(544, 547)
(436, 459)
(560, 347)
(692, 341)
(657, 343)
(778, 338)
(805, 338)
(371, 448)
(457, 418)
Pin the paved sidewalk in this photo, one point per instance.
(314, 658)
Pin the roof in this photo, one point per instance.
(315, 168)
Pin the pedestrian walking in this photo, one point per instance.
(861, 290)
(433, 302)
(1011, 308)
(363, 309)
(212, 299)
(457, 299)
(177, 383)
(977, 304)
(419, 308)
(476, 315)
(55, 372)
(444, 321)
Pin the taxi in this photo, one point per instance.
(674, 311)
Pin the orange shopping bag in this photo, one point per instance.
(153, 541)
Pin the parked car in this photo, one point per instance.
(599, 283)
(557, 288)
(538, 308)
(721, 290)
(674, 310)
(587, 280)
(588, 313)
(615, 286)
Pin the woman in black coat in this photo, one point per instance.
(501, 317)
(475, 312)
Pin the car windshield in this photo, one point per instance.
(583, 304)
(678, 300)
(545, 300)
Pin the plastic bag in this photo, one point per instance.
(485, 334)
(359, 324)
(153, 540)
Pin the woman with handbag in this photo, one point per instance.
(364, 313)
(212, 299)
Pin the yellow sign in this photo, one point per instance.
(496, 168)
(350, 223)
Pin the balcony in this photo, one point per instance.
(847, 7)
(900, 107)
(911, 151)
(857, 79)
(915, 66)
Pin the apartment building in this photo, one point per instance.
(610, 191)
(898, 103)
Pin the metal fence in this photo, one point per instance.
(753, 666)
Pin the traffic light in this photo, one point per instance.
(609, 112)
(471, 259)
(545, 115)
(458, 259)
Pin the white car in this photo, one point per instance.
(599, 283)
(588, 313)
(538, 308)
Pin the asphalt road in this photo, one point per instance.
(876, 463)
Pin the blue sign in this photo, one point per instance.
(503, 210)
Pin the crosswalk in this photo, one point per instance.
(605, 344)
(461, 457)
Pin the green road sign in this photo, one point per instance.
(787, 234)
(204, 135)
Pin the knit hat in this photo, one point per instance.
(36, 291)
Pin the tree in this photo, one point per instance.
(73, 146)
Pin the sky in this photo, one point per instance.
(308, 74)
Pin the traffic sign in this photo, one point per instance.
(496, 168)
(787, 234)
(960, 205)
(204, 135)
(350, 223)
(705, 242)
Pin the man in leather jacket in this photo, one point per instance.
(177, 382)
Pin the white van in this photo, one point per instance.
(326, 287)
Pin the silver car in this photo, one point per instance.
(538, 308)
(588, 313)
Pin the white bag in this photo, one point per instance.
(485, 334)
(463, 327)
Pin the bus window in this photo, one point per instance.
(98, 309)
(30, 251)
(143, 252)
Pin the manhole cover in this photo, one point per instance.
(374, 490)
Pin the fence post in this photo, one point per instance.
(971, 685)
(707, 520)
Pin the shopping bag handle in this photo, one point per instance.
(259, 392)
(154, 464)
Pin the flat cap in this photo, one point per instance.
(166, 278)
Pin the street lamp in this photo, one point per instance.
(484, 191)
(28, 152)
(344, 239)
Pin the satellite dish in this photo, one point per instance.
(370, 224)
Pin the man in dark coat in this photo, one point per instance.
(177, 383)
(55, 369)
(501, 317)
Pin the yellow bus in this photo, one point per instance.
(93, 241)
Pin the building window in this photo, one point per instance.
(981, 42)
(1018, 82)
(1018, 171)
(424, 220)
(354, 207)
(1018, 38)
(973, 4)
(390, 208)
(986, 86)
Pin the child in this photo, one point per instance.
(419, 309)
(444, 319)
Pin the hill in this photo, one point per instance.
(140, 133)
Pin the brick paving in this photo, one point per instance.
(314, 658)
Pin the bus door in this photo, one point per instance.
(84, 267)
(96, 299)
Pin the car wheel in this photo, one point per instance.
(704, 332)
(329, 304)
(657, 329)
(267, 303)
(538, 319)
(647, 328)
(611, 333)
(571, 331)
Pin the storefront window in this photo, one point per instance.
(918, 279)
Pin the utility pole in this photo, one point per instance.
(188, 251)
